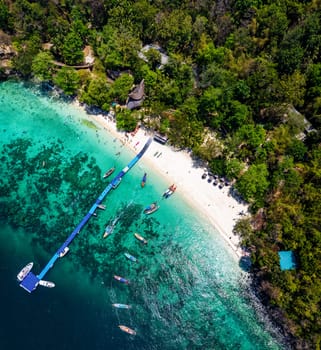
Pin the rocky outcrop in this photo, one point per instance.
(7, 52)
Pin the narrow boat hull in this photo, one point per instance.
(47, 284)
(127, 330)
(130, 257)
(140, 238)
(109, 172)
(144, 180)
(121, 279)
(121, 306)
(151, 208)
(171, 189)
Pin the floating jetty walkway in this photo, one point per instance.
(31, 281)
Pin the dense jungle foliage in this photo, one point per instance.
(241, 89)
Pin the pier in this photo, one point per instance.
(31, 281)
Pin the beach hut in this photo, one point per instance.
(136, 97)
(287, 260)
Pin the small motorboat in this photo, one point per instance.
(47, 284)
(171, 189)
(130, 257)
(101, 206)
(140, 238)
(108, 231)
(63, 252)
(122, 306)
(24, 272)
(121, 279)
(110, 228)
(151, 208)
(109, 172)
(144, 180)
(127, 330)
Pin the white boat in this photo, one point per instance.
(24, 272)
(140, 238)
(47, 284)
(121, 306)
(110, 228)
(64, 252)
(127, 330)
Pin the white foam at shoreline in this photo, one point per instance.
(220, 209)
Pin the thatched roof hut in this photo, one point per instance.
(136, 97)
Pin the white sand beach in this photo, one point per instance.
(220, 209)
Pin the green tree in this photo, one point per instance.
(292, 89)
(42, 65)
(125, 120)
(29, 18)
(233, 168)
(186, 132)
(72, 49)
(272, 23)
(6, 22)
(97, 93)
(144, 13)
(209, 106)
(253, 184)
(244, 229)
(151, 80)
(27, 50)
(297, 149)
(252, 135)
(237, 116)
(153, 57)
(118, 48)
(210, 149)
(68, 80)
(313, 80)
(291, 53)
(121, 87)
(175, 29)
(263, 82)
(311, 36)
(209, 54)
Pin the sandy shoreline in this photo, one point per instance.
(220, 209)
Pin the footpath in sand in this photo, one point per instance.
(221, 209)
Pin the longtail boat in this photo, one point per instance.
(121, 306)
(144, 180)
(171, 189)
(109, 172)
(121, 279)
(130, 257)
(127, 330)
(151, 208)
(140, 238)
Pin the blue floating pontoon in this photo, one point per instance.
(31, 281)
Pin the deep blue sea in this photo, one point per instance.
(187, 290)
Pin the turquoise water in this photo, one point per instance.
(187, 290)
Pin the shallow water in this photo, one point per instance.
(187, 290)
